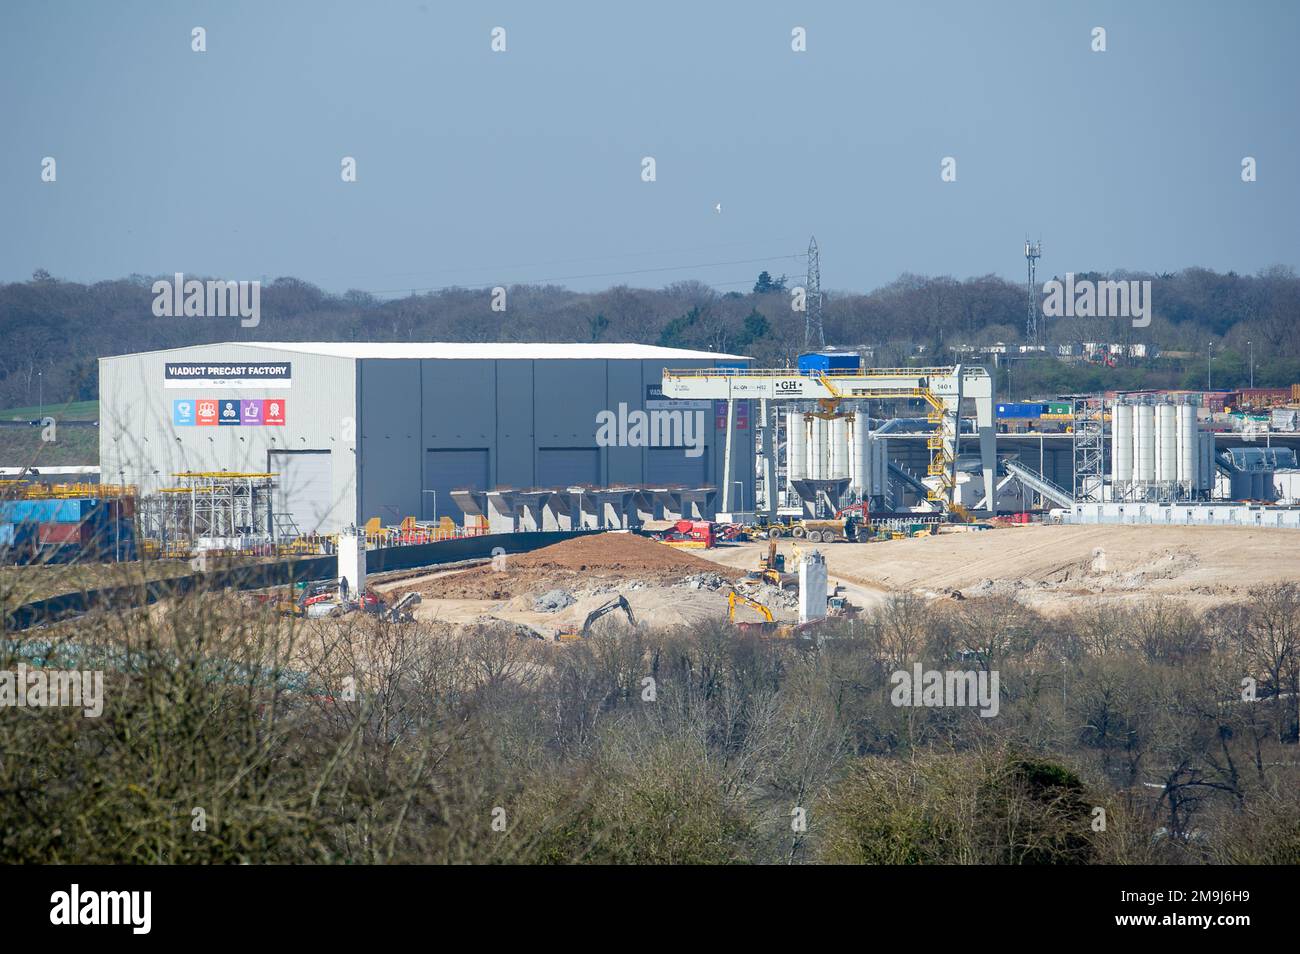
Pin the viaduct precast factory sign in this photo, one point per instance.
(179, 374)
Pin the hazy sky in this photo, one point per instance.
(481, 168)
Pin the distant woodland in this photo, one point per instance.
(55, 330)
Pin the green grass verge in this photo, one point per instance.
(23, 447)
(76, 411)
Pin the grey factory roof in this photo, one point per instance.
(468, 350)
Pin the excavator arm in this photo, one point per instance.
(733, 598)
(619, 603)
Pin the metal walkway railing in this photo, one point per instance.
(908, 478)
(1039, 484)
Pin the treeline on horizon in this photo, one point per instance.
(55, 330)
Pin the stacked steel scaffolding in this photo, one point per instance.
(1089, 446)
(210, 510)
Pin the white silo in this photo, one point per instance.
(1188, 446)
(862, 454)
(850, 437)
(1166, 443)
(839, 449)
(1121, 443)
(796, 446)
(1144, 443)
(817, 464)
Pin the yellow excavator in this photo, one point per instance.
(734, 598)
(573, 632)
(770, 567)
(769, 627)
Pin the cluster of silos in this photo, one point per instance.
(1154, 450)
(829, 450)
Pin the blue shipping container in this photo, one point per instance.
(73, 510)
(1022, 410)
(830, 361)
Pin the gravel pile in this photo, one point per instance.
(553, 601)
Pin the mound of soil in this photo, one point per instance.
(577, 565)
(613, 552)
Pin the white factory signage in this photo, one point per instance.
(655, 401)
(269, 375)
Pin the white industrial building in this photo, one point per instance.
(355, 431)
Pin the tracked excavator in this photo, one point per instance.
(619, 602)
(734, 598)
(771, 567)
(768, 628)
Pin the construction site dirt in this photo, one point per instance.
(557, 586)
(1052, 569)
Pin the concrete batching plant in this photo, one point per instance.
(835, 458)
(1159, 452)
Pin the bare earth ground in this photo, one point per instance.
(1053, 569)
(665, 586)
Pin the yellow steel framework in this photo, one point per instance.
(941, 388)
(32, 490)
(794, 372)
(218, 505)
(943, 437)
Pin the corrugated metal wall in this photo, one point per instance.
(535, 418)
(379, 418)
(140, 443)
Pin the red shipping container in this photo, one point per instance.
(59, 533)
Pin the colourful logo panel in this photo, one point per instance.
(228, 412)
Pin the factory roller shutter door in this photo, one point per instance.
(670, 467)
(304, 489)
(452, 469)
(568, 467)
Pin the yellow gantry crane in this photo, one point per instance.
(942, 388)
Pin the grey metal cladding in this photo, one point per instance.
(625, 382)
(380, 418)
(515, 458)
(388, 439)
(459, 401)
(139, 443)
(568, 396)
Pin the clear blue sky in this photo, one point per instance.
(481, 168)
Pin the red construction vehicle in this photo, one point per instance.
(688, 534)
(859, 510)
